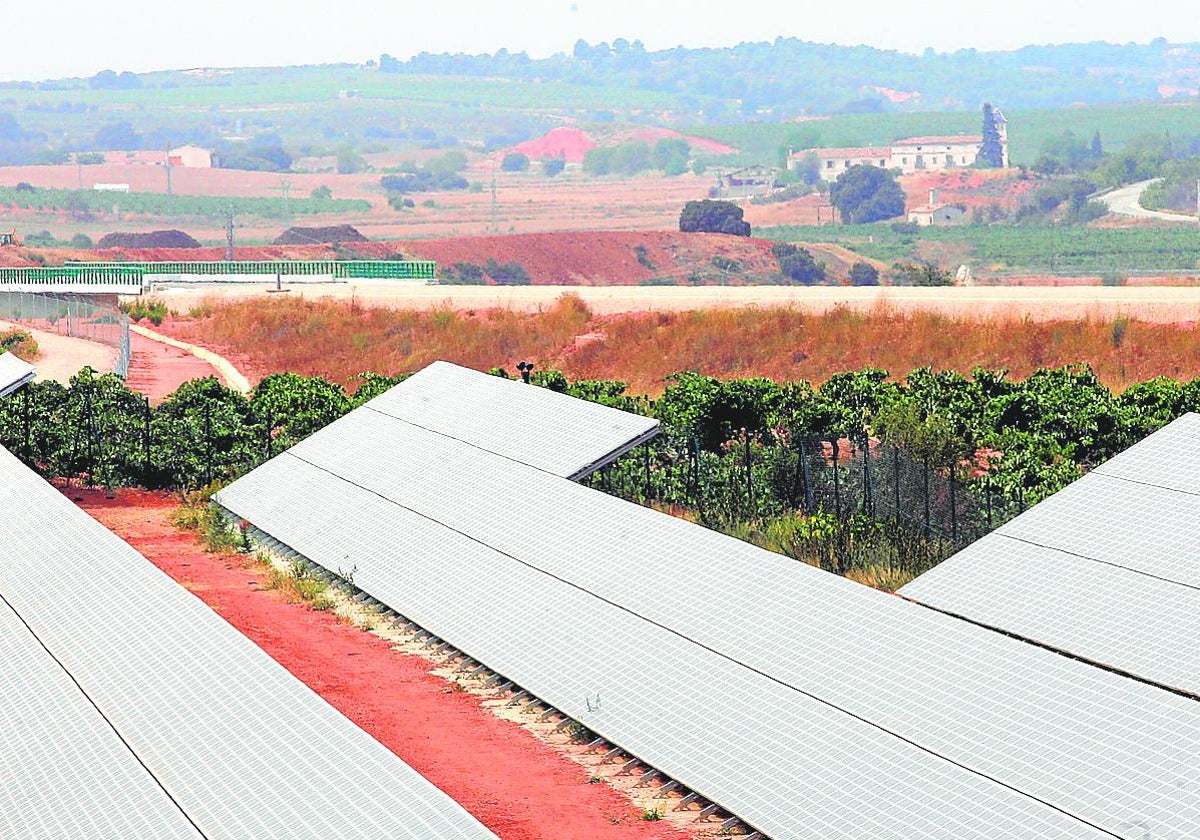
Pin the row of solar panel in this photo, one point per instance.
(1105, 570)
(1011, 739)
(129, 709)
(14, 373)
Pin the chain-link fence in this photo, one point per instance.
(71, 316)
(843, 477)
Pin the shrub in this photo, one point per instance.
(463, 274)
(797, 264)
(864, 274)
(515, 162)
(643, 257)
(507, 274)
(553, 166)
(708, 216)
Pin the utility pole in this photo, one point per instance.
(495, 223)
(229, 235)
(79, 169)
(167, 157)
(285, 191)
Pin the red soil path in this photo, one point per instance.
(156, 369)
(514, 784)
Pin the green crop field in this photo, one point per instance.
(159, 204)
(1041, 248)
(1028, 130)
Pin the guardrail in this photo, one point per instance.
(121, 280)
(338, 269)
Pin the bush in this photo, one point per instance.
(553, 166)
(515, 162)
(708, 216)
(462, 274)
(864, 274)
(321, 193)
(797, 264)
(643, 257)
(507, 274)
(81, 240)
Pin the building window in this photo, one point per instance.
(882, 162)
(829, 164)
(904, 161)
(847, 164)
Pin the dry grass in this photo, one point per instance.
(341, 339)
(20, 343)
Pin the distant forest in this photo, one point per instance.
(790, 77)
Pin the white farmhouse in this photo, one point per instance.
(911, 154)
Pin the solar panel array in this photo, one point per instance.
(745, 675)
(130, 709)
(536, 426)
(1106, 570)
(14, 373)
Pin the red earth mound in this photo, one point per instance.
(564, 142)
(652, 134)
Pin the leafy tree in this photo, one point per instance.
(671, 155)
(350, 161)
(117, 136)
(10, 130)
(864, 274)
(553, 166)
(991, 153)
(515, 162)
(1097, 146)
(507, 274)
(710, 216)
(864, 194)
(797, 264)
(321, 193)
(921, 273)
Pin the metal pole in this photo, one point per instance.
(207, 443)
(896, 479)
(837, 490)
(953, 509)
(749, 475)
(646, 461)
(926, 465)
(146, 442)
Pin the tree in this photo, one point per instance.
(797, 264)
(864, 194)
(1097, 146)
(350, 161)
(117, 136)
(321, 193)
(708, 216)
(864, 274)
(553, 166)
(671, 155)
(515, 162)
(991, 152)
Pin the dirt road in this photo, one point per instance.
(1043, 303)
(1126, 201)
(62, 357)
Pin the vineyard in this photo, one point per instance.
(161, 204)
(866, 476)
(1040, 248)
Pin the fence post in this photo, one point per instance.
(809, 498)
(837, 488)
(207, 444)
(953, 509)
(28, 432)
(146, 443)
(987, 489)
(646, 461)
(896, 479)
(749, 475)
(926, 463)
(868, 483)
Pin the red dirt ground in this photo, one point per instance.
(156, 369)
(570, 144)
(586, 257)
(515, 785)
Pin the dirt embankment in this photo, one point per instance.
(580, 258)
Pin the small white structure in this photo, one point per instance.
(190, 157)
(936, 213)
(121, 188)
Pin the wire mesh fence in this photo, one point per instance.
(73, 317)
(851, 481)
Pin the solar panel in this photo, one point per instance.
(243, 748)
(791, 766)
(14, 373)
(64, 773)
(1105, 569)
(551, 431)
(1168, 458)
(995, 706)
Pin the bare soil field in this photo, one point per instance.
(520, 203)
(517, 785)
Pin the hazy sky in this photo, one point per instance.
(79, 37)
